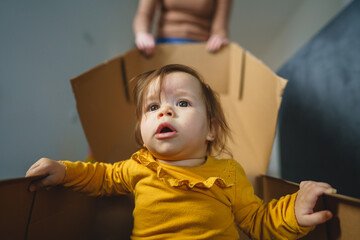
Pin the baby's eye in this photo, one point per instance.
(183, 104)
(153, 107)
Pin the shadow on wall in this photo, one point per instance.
(320, 113)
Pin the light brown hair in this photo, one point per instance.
(214, 111)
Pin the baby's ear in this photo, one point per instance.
(212, 132)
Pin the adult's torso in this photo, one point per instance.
(189, 19)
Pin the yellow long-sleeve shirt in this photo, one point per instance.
(205, 202)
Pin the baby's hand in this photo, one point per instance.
(306, 200)
(145, 43)
(54, 170)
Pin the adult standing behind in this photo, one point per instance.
(182, 21)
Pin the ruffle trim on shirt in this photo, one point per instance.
(145, 158)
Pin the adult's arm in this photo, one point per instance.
(142, 23)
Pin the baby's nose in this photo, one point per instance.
(166, 111)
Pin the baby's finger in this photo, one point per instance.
(320, 190)
(35, 165)
(316, 188)
(32, 168)
(32, 172)
(308, 184)
(317, 218)
(36, 185)
(40, 170)
(330, 191)
(323, 184)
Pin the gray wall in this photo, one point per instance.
(45, 43)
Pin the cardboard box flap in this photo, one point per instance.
(250, 94)
(252, 109)
(107, 117)
(214, 67)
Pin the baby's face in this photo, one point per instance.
(175, 126)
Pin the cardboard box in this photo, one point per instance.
(60, 213)
(250, 94)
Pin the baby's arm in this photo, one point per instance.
(290, 217)
(305, 202)
(96, 179)
(55, 172)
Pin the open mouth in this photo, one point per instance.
(165, 130)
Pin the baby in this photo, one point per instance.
(182, 191)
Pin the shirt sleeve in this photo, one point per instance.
(273, 220)
(98, 179)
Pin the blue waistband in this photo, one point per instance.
(175, 40)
